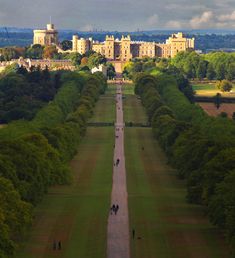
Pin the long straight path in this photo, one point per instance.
(118, 221)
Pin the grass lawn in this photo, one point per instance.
(133, 110)
(77, 214)
(105, 109)
(210, 90)
(166, 225)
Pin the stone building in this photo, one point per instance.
(125, 49)
(81, 45)
(46, 37)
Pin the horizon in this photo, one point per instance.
(122, 31)
(128, 15)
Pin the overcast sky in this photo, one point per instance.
(122, 15)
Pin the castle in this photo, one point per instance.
(122, 49)
(46, 37)
(126, 49)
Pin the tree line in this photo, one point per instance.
(23, 93)
(202, 148)
(212, 66)
(35, 154)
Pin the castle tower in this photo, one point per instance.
(109, 47)
(75, 43)
(126, 48)
(46, 37)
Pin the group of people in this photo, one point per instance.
(57, 245)
(114, 209)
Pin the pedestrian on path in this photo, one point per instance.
(116, 209)
(59, 245)
(117, 162)
(113, 208)
(133, 233)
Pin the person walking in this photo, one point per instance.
(133, 233)
(59, 245)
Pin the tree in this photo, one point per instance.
(95, 60)
(76, 58)
(220, 71)
(49, 52)
(66, 44)
(230, 72)
(224, 85)
(84, 61)
(210, 74)
(201, 69)
(35, 52)
(111, 71)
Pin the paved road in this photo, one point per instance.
(118, 225)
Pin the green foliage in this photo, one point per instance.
(110, 71)
(15, 217)
(10, 69)
(224, 85)
(35, 52)
(9, 53)
(215, 65)
(95, 60)
(66, 44)
(23, 93)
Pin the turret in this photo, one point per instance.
(75, 43)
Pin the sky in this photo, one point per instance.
(120, 15)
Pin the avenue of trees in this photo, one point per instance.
(202, 148)
(35, 154)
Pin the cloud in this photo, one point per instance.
(153, 20)
(122, 15)
(202, 21)
(173, 25)
(227, 17)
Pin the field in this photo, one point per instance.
(166, 225)
(210, 90)
(211, 109)
(77, 214)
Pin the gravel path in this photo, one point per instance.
(118, 225)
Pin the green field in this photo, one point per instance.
(133, 110)
(166, 225)
(77, 214)
(210, 90)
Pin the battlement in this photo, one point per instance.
(128, 37)
(109, 37)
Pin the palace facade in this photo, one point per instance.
(125, 49)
